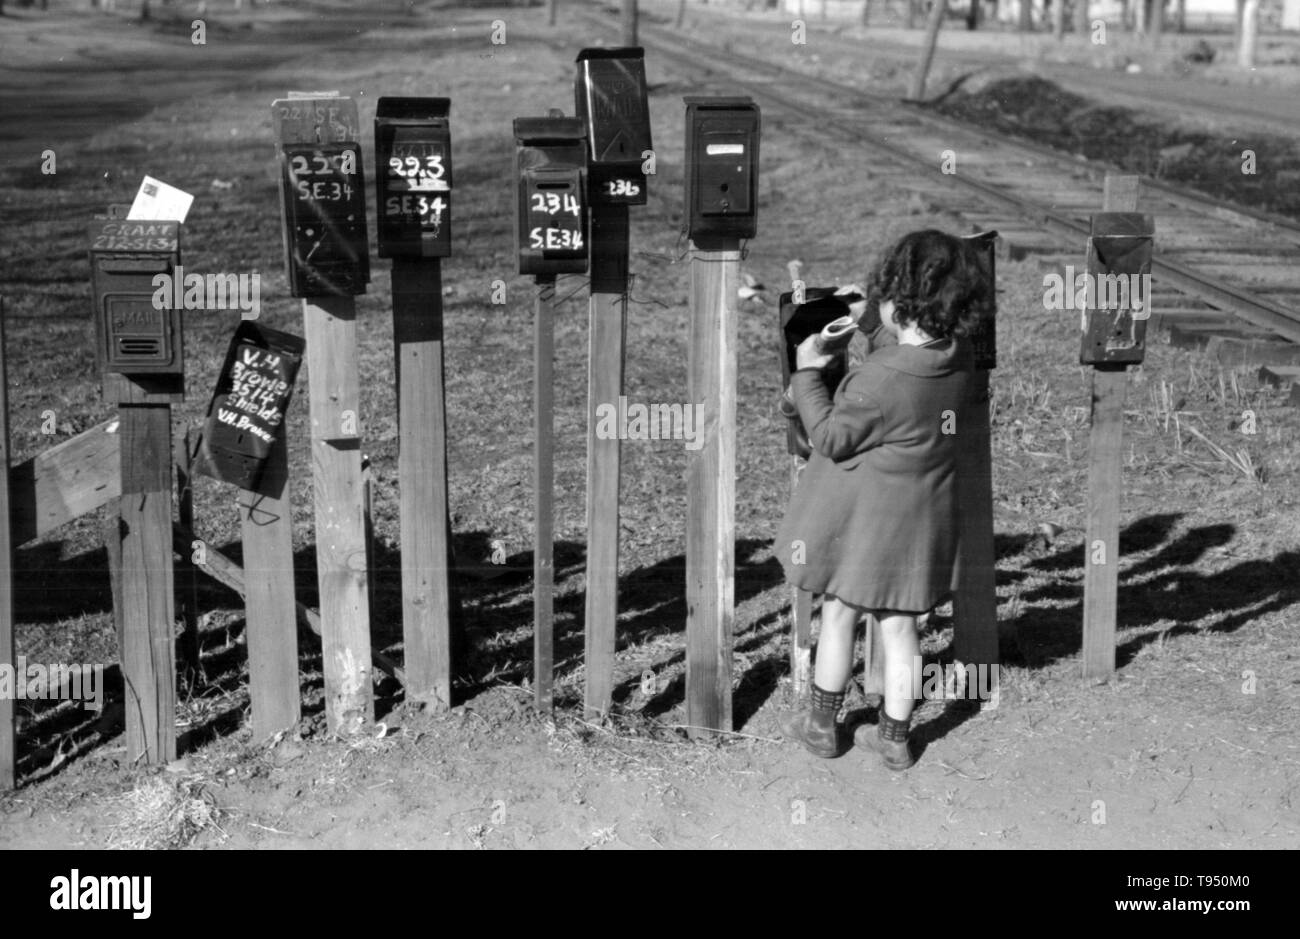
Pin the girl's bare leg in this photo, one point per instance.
(902, 648)
(834, 662)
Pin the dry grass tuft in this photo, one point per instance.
(164, 812)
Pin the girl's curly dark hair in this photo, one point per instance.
(935, 280)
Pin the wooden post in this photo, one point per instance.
(544, 493)
(975, 602)
(711, 485)
(148, 608)
(190, 653)
(607, 317)
(330, 328)
(629, 23)
(422, 471)
(1105, 452)
(266, 524)
(329, 124)
(8, 727)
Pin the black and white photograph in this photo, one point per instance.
(652, 425)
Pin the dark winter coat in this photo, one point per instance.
(875, 508)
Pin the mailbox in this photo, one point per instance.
(413, 177)
(550, 164)
(247, 410)
(326, 246)
(136, 335)
(1118, 289)
(722, 168)
(797, 322)
(613, 106)
(983, 339)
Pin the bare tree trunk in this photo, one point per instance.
(629, 22)
(1180, 16)
(550, 11)
(973, 15)
(1157, 23)
(1249, 33)
(1058, 19)
(866, 12)
(1026, 24)
(1140, 17)
(911, 14)
(681, 14)
(927, 49)
(1081, 24)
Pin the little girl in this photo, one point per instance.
(872, 525)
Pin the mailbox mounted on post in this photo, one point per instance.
(550, 164)
(134, 335)
(721, 168)
(797, 322)
(323, 191)
(247, 410)
(612, 103)
(413, 177)
(984, 340)
(1118, 289)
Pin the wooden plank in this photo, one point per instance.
(544, 494)
(330, 328)
(801, 629)
(711, 488)
(607, 332)
(65, 482)
(230, 575)
(113, 548)
(148, 607)
(422, 475)
(266, 526)
(975, 602)
(8, 725)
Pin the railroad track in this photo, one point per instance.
(1223, 275)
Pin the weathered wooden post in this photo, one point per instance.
(550, 239)
(975, 600)
(323, 201)
(140, 351)
(414, 180)
(243, 444)
(722, 138)
(8, 728)
(611, 97)
(1113, 338)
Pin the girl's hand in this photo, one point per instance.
(808, 356)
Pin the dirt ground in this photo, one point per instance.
(1193, 744)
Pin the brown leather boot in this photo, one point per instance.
(816, 730)
(889, 738)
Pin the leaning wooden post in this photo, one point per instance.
(611, 98)
(190, 652)
(975, 600)
(243, 444)
(544, 492)
(8, 728)
(722, 137)
(140, 352)
(323, 200)
(1113, 338)
(414, 180)
(800, 600)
